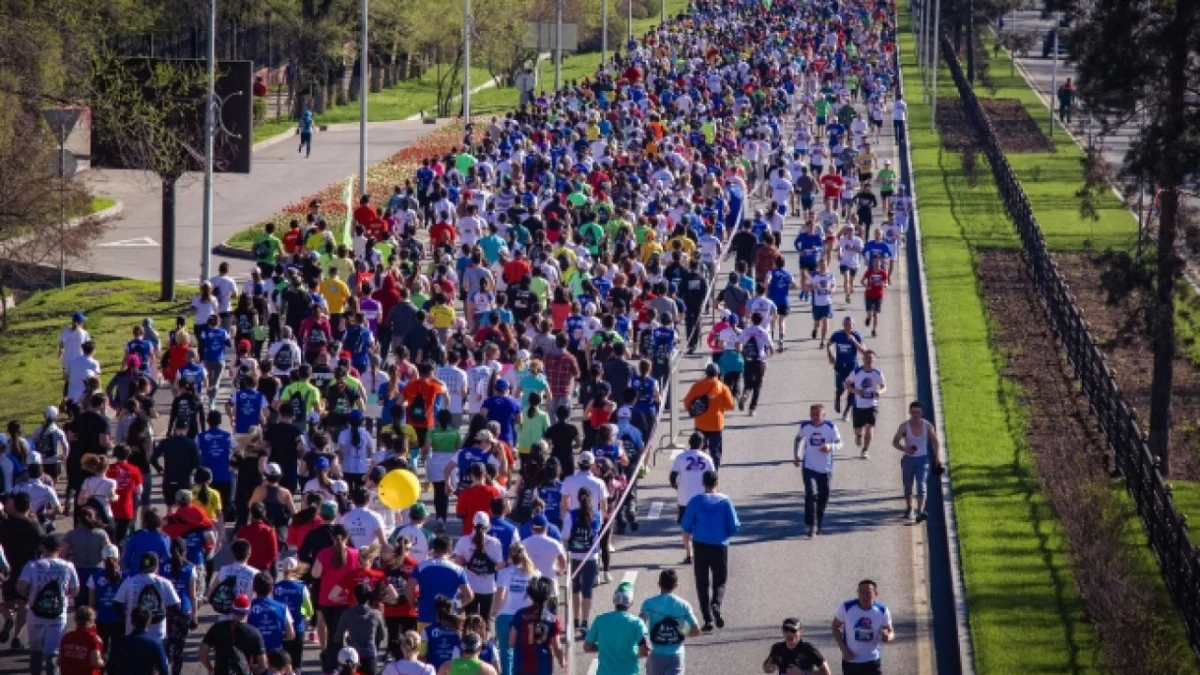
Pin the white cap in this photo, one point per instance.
(348, 656)
(287, 564)
(482, 519)
(273, 469)
(586, 458)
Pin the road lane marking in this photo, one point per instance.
(655, 511)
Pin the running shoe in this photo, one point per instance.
(720, 619)
(908, 513)
(865, 455)
(687, 561)
(922, 517)
(707, 627)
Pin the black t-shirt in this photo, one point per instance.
(804, 656)
(235, 645)
(284, 441)
(88, 427)
(743, 244)
(20, 538)
(562, 437)
(248, 475)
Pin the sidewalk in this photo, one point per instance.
(280, 176)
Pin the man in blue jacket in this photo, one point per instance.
(711, 521)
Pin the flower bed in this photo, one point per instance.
(382, 179)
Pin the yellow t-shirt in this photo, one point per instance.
(345, 268)
(443, 316)
(335, 292)
(213, 507)
(649, 249)
(687, 244)
(315, 241)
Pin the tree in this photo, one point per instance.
(502, 26)
(1136, 56)
(1018, 43)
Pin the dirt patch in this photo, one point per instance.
(1015, 129)
(1120, 333)
(1071, 457)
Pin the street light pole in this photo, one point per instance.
(933, 65)
(362, 101)
(604, 32)
(209, 124)
(62, 209)
(558, 45)
(662, 13)
(628, 22)
(1054, 77)
(466, 96)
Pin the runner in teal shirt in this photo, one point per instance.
(670, 620)
(619, 638)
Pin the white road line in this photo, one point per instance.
(593, 666)
(655, 511)
(630, 578)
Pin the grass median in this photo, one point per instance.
(30, 376)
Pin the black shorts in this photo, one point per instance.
(679, 518)
(863, 417)
(52, 470)
(878, 124)
(864, 176)
(874, 304)
(782, 310)
(886, 194)
(808, 265)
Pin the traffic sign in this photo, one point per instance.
(61, 120)
(63, 163)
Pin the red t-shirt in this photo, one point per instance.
(128, 478)
(473, 500)
(291, 241)
(369, 577)
(400, 578)
(832, 184)
(364, 214)
(442, 233)
(75, 652)
(334, 576)
(876, 281)
(515, 270)
(264, 544)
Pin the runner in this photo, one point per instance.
(860, 626)
(875, 282)
(820, 439)
(794, 653)
(670, 620)
(867, 385)
(843, 350)
(917, 438)
(822, 286)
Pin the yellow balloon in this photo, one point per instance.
(399, 489)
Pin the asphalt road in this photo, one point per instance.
(279, 177)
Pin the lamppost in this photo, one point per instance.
(209, 125)
(362, 101)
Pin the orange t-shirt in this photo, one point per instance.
(429, 389)
(720, 401)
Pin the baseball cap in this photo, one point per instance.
(273, 469)
(538, 521)
(791, 625)
(586, 458)
(523, 355)
(501, 385)
(481, 519)
(348, 656)
(418, 510)
(241, 605)
(485, 436)
(712, 370)
(623, 596)
(328, 510)
(321, 464)
(110, 552)
(625, 413)
(78, 317)
(287, 564)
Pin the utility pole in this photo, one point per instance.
(558, 12)
(1054, 76)
(363, 74)
(209, 124)
(662, 13)
(604, 32)
(933, 66)
(628, 23)
(466, 96)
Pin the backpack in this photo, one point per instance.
(580, 539)
(751, 351)
(223, 595)
(698, 407)
(283, 359)
(481, 563)
(418, 410)
(46, 443)
(667, 632)
(152, 601)
(605, 350)
(262, 249)
(49, 602)
(296, 400)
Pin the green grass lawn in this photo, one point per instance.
(1019, 586)
(1017, 567)
(101, 203)
(30, 376)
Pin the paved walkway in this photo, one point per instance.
(279, 177)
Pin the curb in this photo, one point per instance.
(274, 140)
(111, 212)
(224, 249)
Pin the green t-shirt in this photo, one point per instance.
(531, 430)
(593, 234)
(465, 666)
(540, 288)
(822, 107)
(577, 199)
(305, 393)
(846, 115)
(266, 248)
(675, 616)
(887, 179)
(445, 440)
(464, 162)
(618, 634)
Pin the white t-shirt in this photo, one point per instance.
(40, 572)
(130, 594)
(516, 582)
(364, 525)
(822, 288)
(406, 667)
(420, 541)
(480, 583)
(204, 309)
(813, 437)
(870, 381)
(72, 341)
(101, 490)
(354, 458)
(689, 467)
(338, 487)
(245, 580)
(581, 479)
(79, 369)
(224, 289)
(781, 189)
(544, 551)
(41, 495)
(860, 628)
(899, 111)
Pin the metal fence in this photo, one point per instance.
(1169, 540)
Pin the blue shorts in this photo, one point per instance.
(806, 201)
(782, 209)
(822, 312)
(820, 120)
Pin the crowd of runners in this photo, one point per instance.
(504, 327)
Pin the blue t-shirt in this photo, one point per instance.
(436, 576)
(270, 617)
(504, 410)
(440, 644)
(291, 592)
(216, 446)
(106, 592)
(846, 354)
(551, 493)
(504, 531)
(809, 246)
(145, 541)
(193, 374)
(142, 349)
(247, 405)
(468, 456)
(778, 286)
(574, 325)
(663, 344)
(181, 579)
(876, 249)
(214, 341)
(646, 388)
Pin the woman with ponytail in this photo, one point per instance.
(511, 596)
(535, 633)
(356, 446)
(581, 527)
(102, 585)
(408, 662)
(482, 556)
(444, 636)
